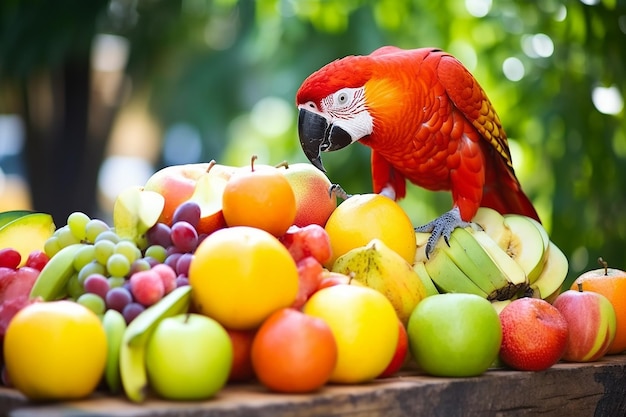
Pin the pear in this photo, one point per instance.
(381, 268)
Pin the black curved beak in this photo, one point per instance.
(317, 135)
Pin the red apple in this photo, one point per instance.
(534, 334)
(241, 370)
(402, 351)
(311, 187)
(591, 321)
(330, 279)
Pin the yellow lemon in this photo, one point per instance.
(240, 275)
(363, 217)
(55, 351)
(365, 326)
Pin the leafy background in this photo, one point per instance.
(194, 80)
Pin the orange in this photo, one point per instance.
(363, 217)
(240, 275)
(293, 352)
(611, 283)
(55, 351)
(261, 198)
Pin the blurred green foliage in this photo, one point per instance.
(232, 68)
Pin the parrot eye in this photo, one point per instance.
(342, 98)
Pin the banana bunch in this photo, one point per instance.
(125, 367)
(511, 256)
(379, 267)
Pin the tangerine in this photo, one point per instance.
(261, 198)
(55, 350)
(293, 352)
(363, 217)
(240, 275)
(611, 283)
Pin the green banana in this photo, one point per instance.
(472, 259)
(51, 282)
(114, 326)
(511, 270)
(133, 349)
(429, 286)
(486, 269)
(381, 268)
(492, 222)
(448, 277)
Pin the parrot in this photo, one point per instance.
(425, 119)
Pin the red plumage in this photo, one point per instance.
(432, 124)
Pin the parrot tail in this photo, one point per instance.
(507, 197)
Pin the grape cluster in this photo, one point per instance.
(115, 273)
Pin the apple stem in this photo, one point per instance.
(605, 265)
(580, 287)
(187, 316)
(283, 164)
(212, 163)
(252, 159)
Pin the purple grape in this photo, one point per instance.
(151, 262)
(131, 311)
(184, 236)
(172, 260)
(181, 281)
(182, 265)
(189, 211)
(97, 284)
(117, 298)
(142, 264)
(159, 234)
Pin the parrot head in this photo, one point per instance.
(332, 108)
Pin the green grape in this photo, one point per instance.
(93, 228)
(51, 246)
(93, 267)
(77, 223)
(115, 282)
(93, 302)
(118, 265)
(66, 237)
(108, 235)
(74, 287)
(139, 265)
(128, 249)
(157, 252)
(84, 255)
(103, 250)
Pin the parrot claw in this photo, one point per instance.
(442, 226)
(337, 191)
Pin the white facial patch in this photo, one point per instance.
(347, 110)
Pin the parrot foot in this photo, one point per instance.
(442, 226)
(337, 191)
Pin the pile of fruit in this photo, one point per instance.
(212, 275)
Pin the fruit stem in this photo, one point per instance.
(605, 265)
(283, 164)
(580, 287)
(187, 316)
(212, 163)
(252, 159)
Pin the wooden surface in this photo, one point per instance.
(596, 389)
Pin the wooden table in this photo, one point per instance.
(596, 389)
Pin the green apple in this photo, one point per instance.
(188, 357)
(454, 334)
